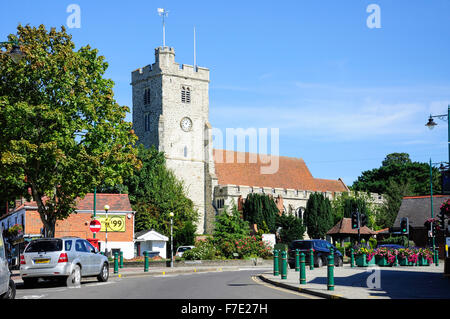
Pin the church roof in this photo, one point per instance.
(242, 168)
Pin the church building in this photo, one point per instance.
(171, 112)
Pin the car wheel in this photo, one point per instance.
(104, 273)
(74, 279)
(11, 293)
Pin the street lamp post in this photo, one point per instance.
(171, 239)
(431, 124)
(106, 207)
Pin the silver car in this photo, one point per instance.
(7, 286)
(67, 259)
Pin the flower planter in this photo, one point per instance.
(403, 261)
(361, 261)
(423, 262)
(381, 261)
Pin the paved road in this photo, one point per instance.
(237, 284)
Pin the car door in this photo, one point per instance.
(4, 270)
(95, 259)
(83, 255)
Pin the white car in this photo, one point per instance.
(182, 249)
(67, 259)
(7, 286)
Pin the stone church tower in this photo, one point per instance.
(171, 111)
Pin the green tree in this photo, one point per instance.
(260, 209)
(292, 228)
(399, 169)
(318, 216)
(230, 226)
(347, 203)
(62, 131)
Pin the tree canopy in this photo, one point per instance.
(398, 168)
(62, 132)
(318, 216)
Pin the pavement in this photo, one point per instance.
(403, 282)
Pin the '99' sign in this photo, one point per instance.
(115, 223)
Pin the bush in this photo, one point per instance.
(204, 250)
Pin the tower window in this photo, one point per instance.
(146, 122)
(147, 96)
(185, 94)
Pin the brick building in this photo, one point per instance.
(121, 216)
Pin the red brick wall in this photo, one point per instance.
(77, 225)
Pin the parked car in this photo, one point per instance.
(182, 249)
(321, 250)
(67, 259)
(7, 285)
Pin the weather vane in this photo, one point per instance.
(163, 13)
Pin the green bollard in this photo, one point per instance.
(302, 269)
(311, 259)
(352, 258)
(283, 265)
(276, 271)
(437, 257)
(330, 285)
(297, 260)
(121, 260)
(116, 263)
(145, 261)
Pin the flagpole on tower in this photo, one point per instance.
(195, 60)
(163, 13)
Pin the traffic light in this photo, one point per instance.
(363, 220)
(404, 225)
(355, 220)
(435, 228)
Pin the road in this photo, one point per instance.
(237, 284)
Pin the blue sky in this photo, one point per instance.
(343, 95)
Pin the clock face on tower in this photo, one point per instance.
(186, 124)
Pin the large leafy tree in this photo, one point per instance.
(62, 132)
(318, 216)
(260, 209)
(398, 168)
(397, 177)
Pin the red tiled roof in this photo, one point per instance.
(116, 202)
(292, 172)
(344, 226)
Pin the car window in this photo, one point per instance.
(182, 249)
(301, 245)
(44, 245)
(68, 245)
(79, 246)
(89, 247)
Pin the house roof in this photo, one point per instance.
(418, 209)
(150, 235)
(242, 168)
(344, 227)
(116, 202)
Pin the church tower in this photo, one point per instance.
(171, 111)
